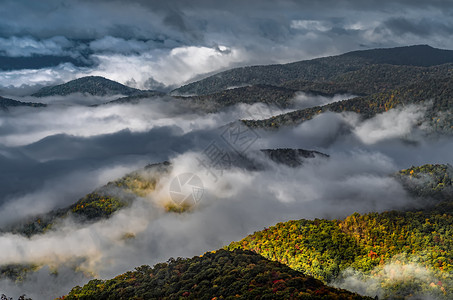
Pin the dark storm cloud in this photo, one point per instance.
(173, 42)
(187, 21)
(421, 27)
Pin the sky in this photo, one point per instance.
(51, 157)
(164, 44)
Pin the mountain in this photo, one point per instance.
(435, 94)
(318, 70)
(366, 247)
(221, 274)
(5, 103)
(93, 85)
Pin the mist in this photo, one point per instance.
(55, 155)
(399, 271)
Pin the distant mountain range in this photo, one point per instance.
(5, 103)
(383, 79)
(436, 94)
(318, 70)
(93, 85)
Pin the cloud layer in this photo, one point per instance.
(171, 43)
(53, 156)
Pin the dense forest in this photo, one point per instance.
(221, 274)
(371, 79)
(367, 244)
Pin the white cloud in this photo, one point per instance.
(170, 67)
(395, 123)
(310, 25)
(399, 271)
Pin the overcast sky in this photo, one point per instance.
(158, 44)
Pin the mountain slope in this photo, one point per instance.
(371, 79)
(370, 243)
(5, 103)
(366, 244)
(220, 275)
(93, 85)
(437, 94)
(320, 69)
(419, 55)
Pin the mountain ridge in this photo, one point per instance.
(317, 69)
(437, 91)
(6, 102)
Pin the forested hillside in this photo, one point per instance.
(372, 79)
(435, 94)
(318, 70)
(221, 274)
(369, 244)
